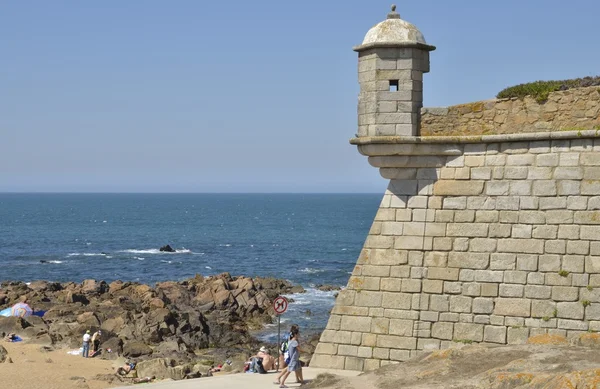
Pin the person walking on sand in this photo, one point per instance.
(294, 364)
(86, 344)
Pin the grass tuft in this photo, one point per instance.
(540, 90)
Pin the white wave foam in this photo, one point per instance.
(157, 251)
(310, 270)
(208, 267)
(225, 245)
(163, 261)
(86, 255)
(55, 262)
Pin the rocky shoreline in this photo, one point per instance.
(175, 329)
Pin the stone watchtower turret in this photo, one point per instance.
(391, 63)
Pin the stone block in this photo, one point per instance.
(549, 263)
(536, 278)
(399, 355)
(368, 299)
(397, 342)
(570, 310)
(559, 217)
(447, 274)
(527, 262)
(545, 232)
(515, 277)
(396, 300)
(461, 304)
(355, 364)
(411, 285)
(503, 261)
(568, 232)
(539, 173)
(455, 203)
(555, 279)
(439, 303)
(469, 260)
(328, 361)
(529, 246)
(467, 229)
(567, 324)
(547, 160)
(544, 188)
(347, 350)
(483, 305)
(538, 291)
(452, 287)
(515, 172)
(532, 217)
(379, 325)
(543, 308)
(489, 290)
(592, 312)
(458, 188)
(472, 289)
(379, 242)
(494, 334)
(517, 335)
(565, 293)
(511, 290)
(513, 307)
(392, 228)
(442, 330)
(401, 327)
(468, 331)
(500, 230)
(573, 263)
(489, 276)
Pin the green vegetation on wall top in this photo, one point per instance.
(540, 90)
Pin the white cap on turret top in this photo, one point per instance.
(394, 32)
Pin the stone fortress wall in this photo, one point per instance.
(485, 242)
(489, 230)
(572, 109)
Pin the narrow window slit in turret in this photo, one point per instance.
(393, 85)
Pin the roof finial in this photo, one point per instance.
(393, 14)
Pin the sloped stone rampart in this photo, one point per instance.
(499, 242)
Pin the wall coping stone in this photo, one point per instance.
(533, 136)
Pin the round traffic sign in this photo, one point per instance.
(280, 305)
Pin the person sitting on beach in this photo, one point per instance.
(268, 361)
(126, 368)
(11, 337)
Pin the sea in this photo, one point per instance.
(308, 239)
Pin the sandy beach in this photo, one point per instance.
(33, 368)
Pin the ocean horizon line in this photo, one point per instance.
(197, 193)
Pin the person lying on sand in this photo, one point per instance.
(126, 368)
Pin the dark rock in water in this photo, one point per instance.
(42, 261)
(297, 289)
(328, 288)
(167, 249)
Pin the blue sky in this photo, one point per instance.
(242, 96)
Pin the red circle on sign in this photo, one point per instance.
(280, 305)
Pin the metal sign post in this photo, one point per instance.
(280, 305)
(278, 340)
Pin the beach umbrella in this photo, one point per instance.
(21, 310)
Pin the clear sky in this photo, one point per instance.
(242, 96)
